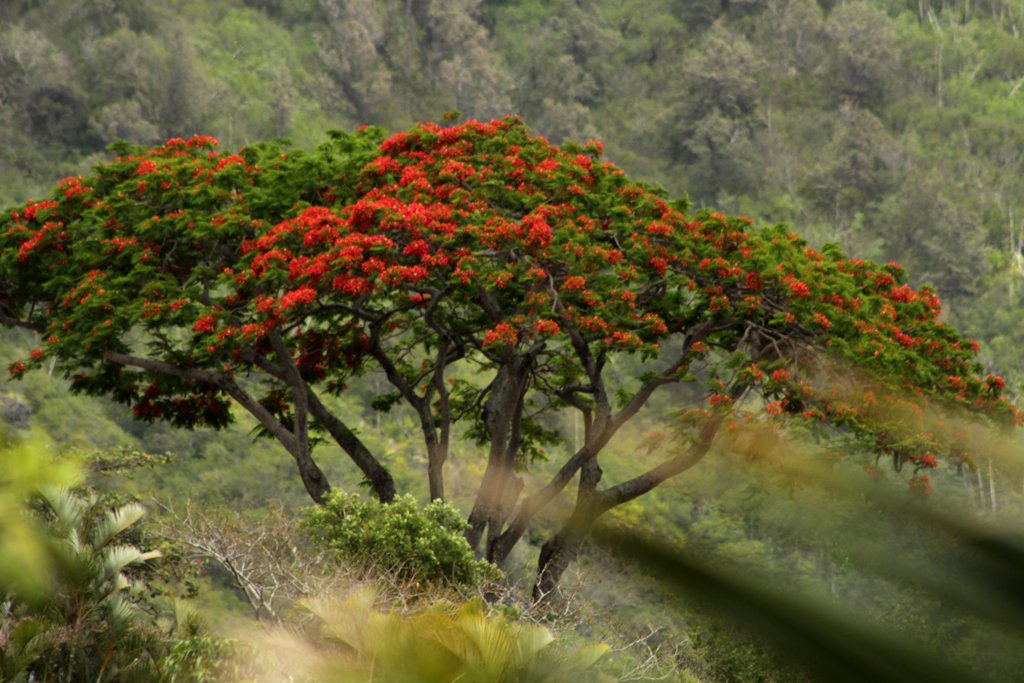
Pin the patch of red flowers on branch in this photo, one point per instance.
(503, 333)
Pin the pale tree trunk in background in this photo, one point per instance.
(991, 488)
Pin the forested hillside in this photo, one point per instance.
(893, 129)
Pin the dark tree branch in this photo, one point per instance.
(293, 378)
(378, 476)
(639, 485)
(8, 321)
(265, 418)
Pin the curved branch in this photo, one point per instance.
(293, 378)
(378, 476)
(221, 381)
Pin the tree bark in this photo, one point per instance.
(435, 473)
(436, 429)
(500, 486)
(600, 425)
(563, 548)
(312, 477)
(380, 479)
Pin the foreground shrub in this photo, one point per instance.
(412, 543)
(200, 657)
(442, 643)
(94, 623)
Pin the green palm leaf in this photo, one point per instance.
(116, 522)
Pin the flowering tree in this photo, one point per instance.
(493, 278)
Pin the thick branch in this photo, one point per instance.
(394, 376)
(297, 446)
(263, 363)
(265, 418)
(381, 480)
(293, 378)
(562, 548)
(533, 504)
(639, 485)
(501, 416)
(436, 437)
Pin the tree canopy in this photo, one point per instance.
(494, 278)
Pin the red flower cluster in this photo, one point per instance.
(204, 324)
(503, 333)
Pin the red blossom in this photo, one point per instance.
(574, 282)
(227, 161)
(202, 141)
(995, 382)
(302, 295)
(623, 339)
(30, 210)
(204, 324)
(921, 485)
(538, 231)
(503, 333)
(547, 328)
(799, 289)
(720, 399)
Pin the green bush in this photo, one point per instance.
(400, 538)
(94, 621)
(198, 657)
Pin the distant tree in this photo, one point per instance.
(717, 114)
(495, 279)
(865, 56)
(560, 63)
(857, 170)
(391, 60)
(351, 46)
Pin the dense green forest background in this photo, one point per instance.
(893, 128)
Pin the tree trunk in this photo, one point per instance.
(499, 487)
(313, 478)
(437, 444)
(563, 548)
(435, 474)
(991, 489)
(498, 491)
(380, 479)
(555, 557)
